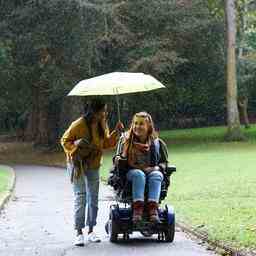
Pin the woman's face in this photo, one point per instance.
(140, 127)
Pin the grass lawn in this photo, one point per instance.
(214, 189)
(5, 179)
(203, 135)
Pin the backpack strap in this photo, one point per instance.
(155, 152)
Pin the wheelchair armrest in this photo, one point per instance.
(122, 164)
(170, 169)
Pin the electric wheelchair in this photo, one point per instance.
(120, 214)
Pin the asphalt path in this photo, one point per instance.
(38, 221)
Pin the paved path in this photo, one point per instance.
(38, 221)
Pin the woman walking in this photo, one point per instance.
(83, 143)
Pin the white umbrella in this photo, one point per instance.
(116, 83)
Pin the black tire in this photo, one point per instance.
(146, 233)
(126, 236)
(170, 232)
(106, 227)
(112, 229)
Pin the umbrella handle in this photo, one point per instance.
(118, 113)
(118, 108)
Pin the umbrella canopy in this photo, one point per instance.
(116, 83)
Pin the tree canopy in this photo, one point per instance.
(46, 47)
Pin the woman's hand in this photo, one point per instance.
(151, 169)
(119, 126)
(76, 142)
(116, 160)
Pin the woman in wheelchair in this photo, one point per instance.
(147, 159)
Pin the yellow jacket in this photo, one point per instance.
(78, 130)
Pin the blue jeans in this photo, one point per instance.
(139, 180)
(86, 190)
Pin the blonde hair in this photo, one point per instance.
(152, 135)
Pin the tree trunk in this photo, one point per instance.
(32, 125)
(42, 137)
(37, 127)
(243, 105)
(242, 29)
(234, 130)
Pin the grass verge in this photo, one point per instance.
(6, 180)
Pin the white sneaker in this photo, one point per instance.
(93, 238)
(79, 240)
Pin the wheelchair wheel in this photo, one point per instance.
(169, 233)
(146, 233)
(112, 229)
(126, 236)
(106, 227)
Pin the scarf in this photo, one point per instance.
(139, 154)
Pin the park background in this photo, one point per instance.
(46, 47)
